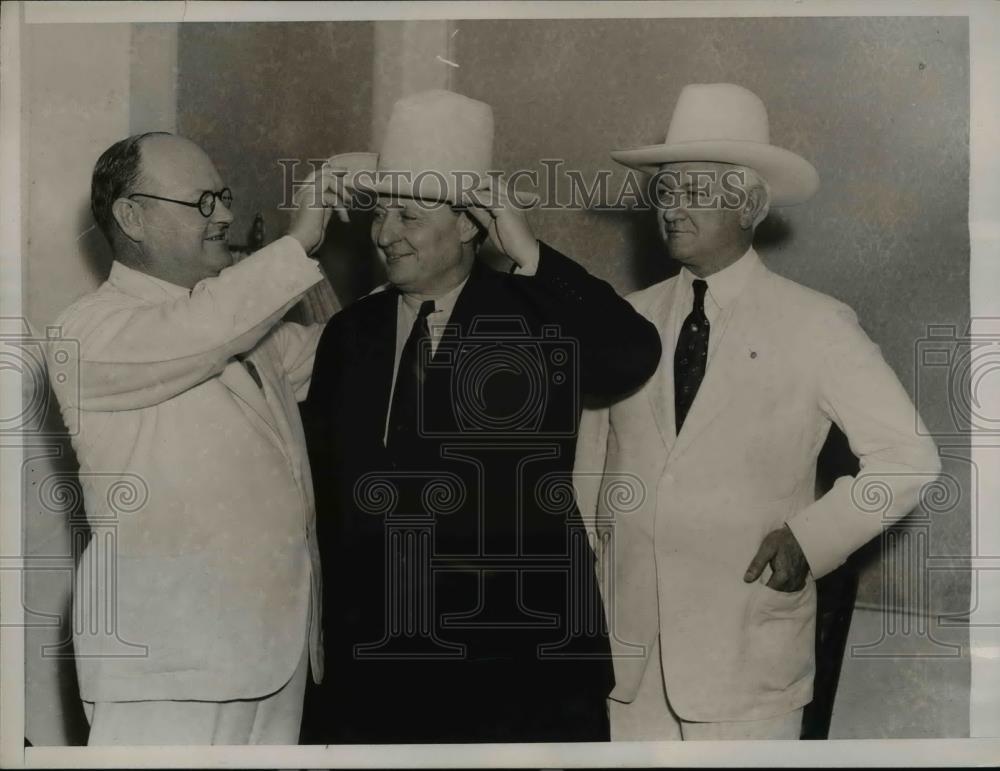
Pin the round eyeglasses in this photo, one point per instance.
(205, 204)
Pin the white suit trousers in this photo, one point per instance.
(650, 718)
(272, 719)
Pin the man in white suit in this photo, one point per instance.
(711, 588)
(197, 599)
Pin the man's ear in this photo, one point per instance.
(756, 200)
(128, 215)
(468, 228)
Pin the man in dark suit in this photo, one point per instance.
(461, 597)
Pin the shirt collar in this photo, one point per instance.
(143, 285)
(725, 285)
(445, 303)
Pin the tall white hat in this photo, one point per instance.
(437, 144)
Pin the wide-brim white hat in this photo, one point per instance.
(438, 146)
(726, 123)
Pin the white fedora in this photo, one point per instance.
(437, 146)
(726, 123)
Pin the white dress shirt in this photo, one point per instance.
(407, 309)
(724, 288)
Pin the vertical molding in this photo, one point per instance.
(406, 61)
(984, 278)
(12, 193)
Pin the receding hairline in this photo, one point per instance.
(152, 141)
(170, 140)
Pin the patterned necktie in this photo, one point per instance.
(691, 355)
(405, 396)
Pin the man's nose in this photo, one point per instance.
(386, 232)
(222, 215)
(674, 213)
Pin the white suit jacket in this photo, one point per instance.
(202, 578)
(682, 516)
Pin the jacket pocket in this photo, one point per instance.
(782, 637)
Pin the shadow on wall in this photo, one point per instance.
(772, 233)
(54, 534)
(93, 245)
(348, 258)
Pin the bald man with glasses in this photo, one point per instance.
(198, 598)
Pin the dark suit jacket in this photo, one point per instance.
(459, 584)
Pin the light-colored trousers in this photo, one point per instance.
(650, 718)
(272, 719)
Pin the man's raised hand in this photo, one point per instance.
(315, 200)
(506, 225)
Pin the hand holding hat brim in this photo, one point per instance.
(314, 201)
(505, 222)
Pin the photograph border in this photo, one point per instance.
(984, 230)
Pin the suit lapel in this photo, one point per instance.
(377, 335)
(727, 366)
(236, 378)
(473, 300)
(661, 388)
(268, 364)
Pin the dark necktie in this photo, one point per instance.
(691, 355)
(406, 395)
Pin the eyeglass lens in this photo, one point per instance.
(206, 204)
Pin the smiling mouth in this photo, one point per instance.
(396, 257)
(222, 236)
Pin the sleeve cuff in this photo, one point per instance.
(820, 532)
(529, 270)
(298, 270)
